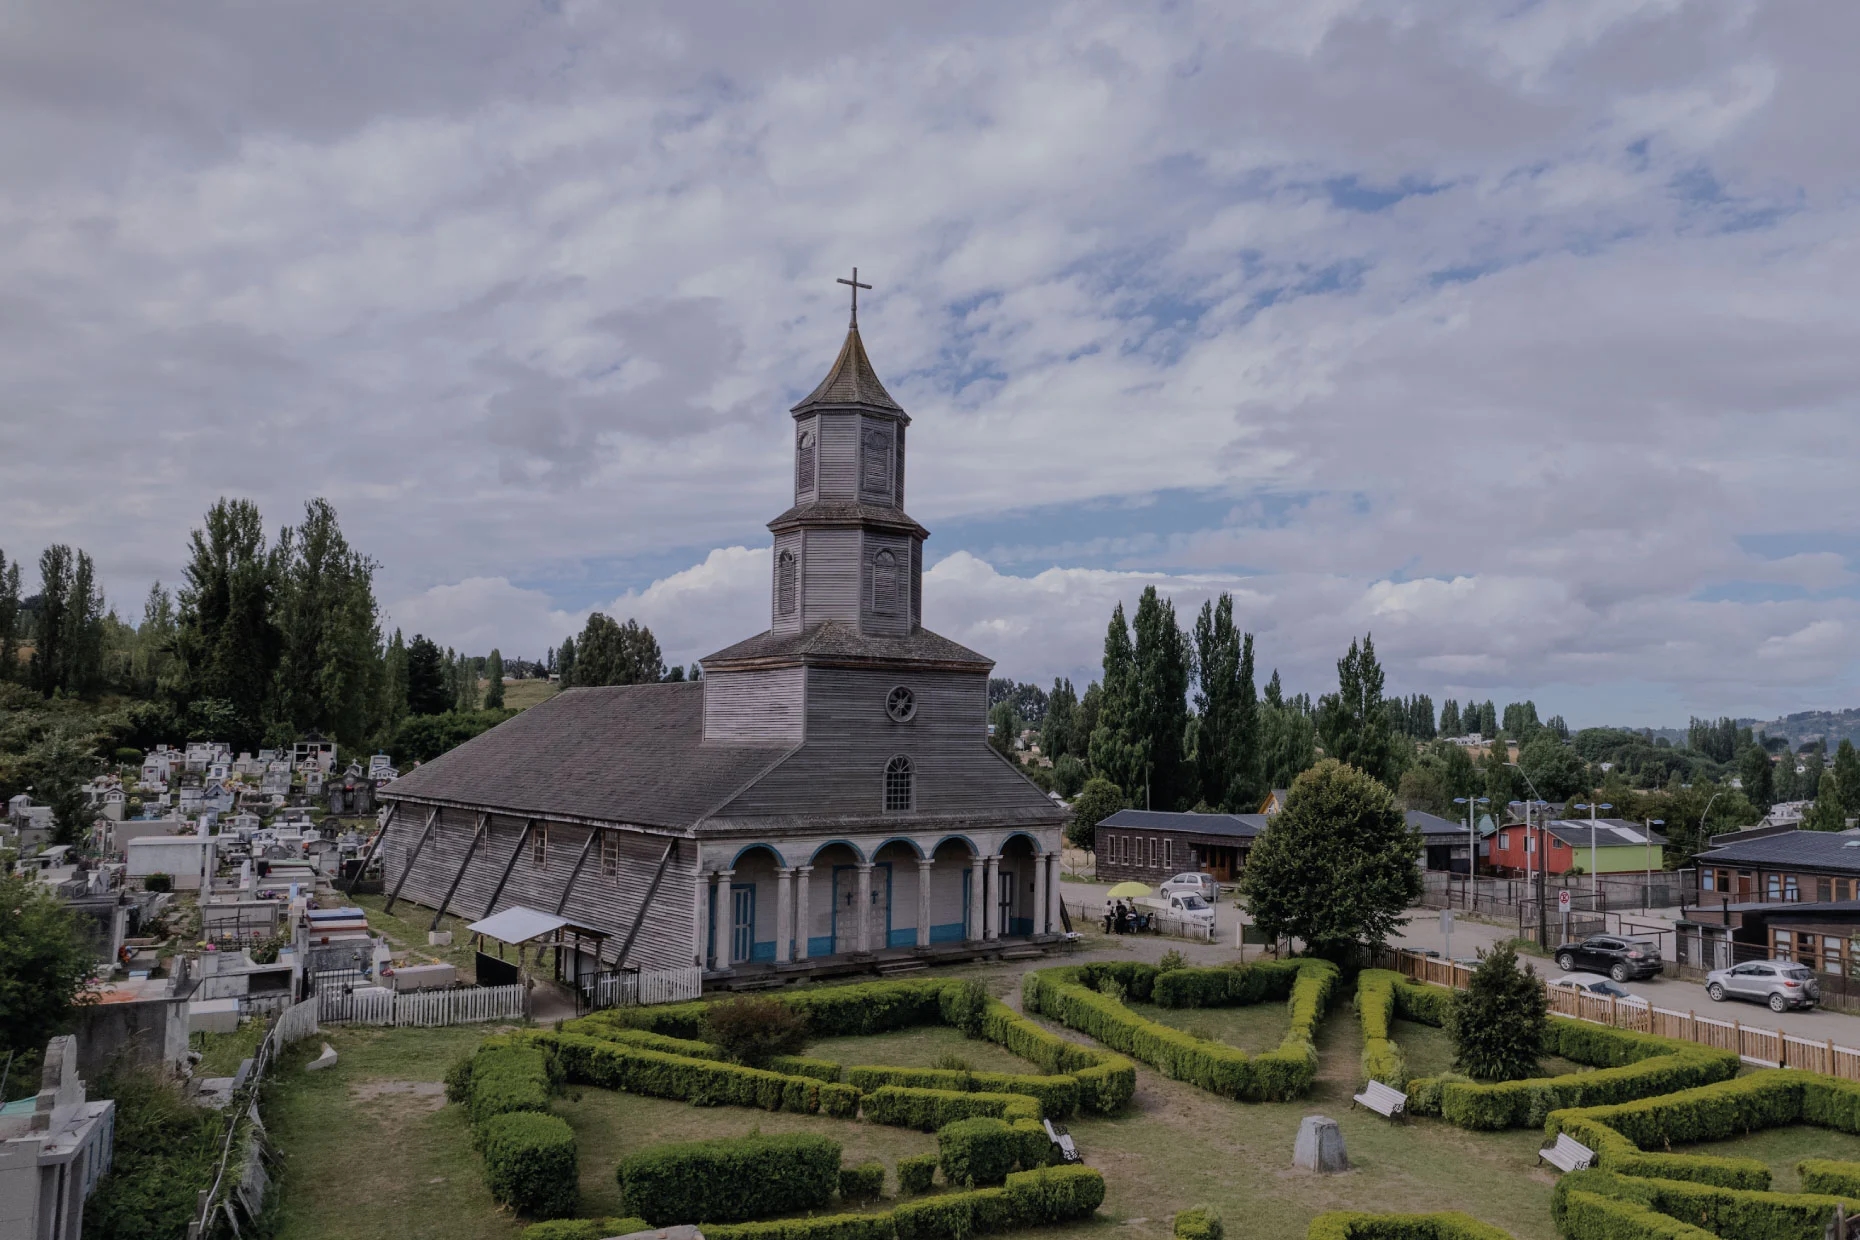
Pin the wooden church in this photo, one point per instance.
(824, 799)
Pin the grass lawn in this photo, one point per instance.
(920, 1048)
(405, 930)
(222, 1053)
(1430, 1052)
(523, 694)
(1782, 1148)
(1255, 1028)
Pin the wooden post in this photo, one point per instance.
(425, 835)
(665, 859)
(586, 848)
(478, 833)
(1737, 1037)
(370, 855)
(510, 863)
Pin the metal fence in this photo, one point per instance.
(1766, 1048)
(1620, 893)
(641, 988)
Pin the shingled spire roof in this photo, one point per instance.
(852, 381)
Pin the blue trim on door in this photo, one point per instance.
(763, 951)
(1020, 925)
(743, 922)
(819, 945)
(834, 937)
(950, 932)
(906, 937)
(968, 894)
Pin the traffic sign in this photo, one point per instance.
(1562, 901)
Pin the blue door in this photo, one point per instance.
(742, 921)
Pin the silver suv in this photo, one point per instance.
(1782, 984)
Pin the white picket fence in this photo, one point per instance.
(429, 1008)
(646, 987)
(296, 1022)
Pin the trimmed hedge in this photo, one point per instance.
(1627, 1137)
(1632, 1065)
(529, 1163)
(599, 1026)
(615, 1065)
(858, 1009)
(1287, 1072)
(1058, 1096)
(1106, 1082)
(730, 1179)
(507, 1074)
(982, 1151)
(1375, 1007)
(1200, 1223)
(1746, 1214)
(866, 1182)
(1822, 1175)
(584, 1228)
(1424, 1003)
(916, 1174)
(930, 1109)
(1028, 1199)
(824, 1227)
(1448, 1225)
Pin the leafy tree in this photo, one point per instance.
(48, 653)
(1520, 720)
(1096, 801)
(1227, 743)
(1828, 813)
(1059, 729)
(1488, 719)
(227, 644)
(426, 678)
(1450, 719)
(1847, 777)
(45, 967)
(394, 686)
(1756, 771)
(564, 661)
(1440, 772)
(1353, 723)
(1337, 866)
(1119, 752)
(1557, 770)
(329, 667)
(1499, 1021)
(9, 619)
(1718, 740)
(494, 680)
(1161, 707)
(1069, 775)
(421, 738)
(1287, 737)
(614, 654)
(1005, 726)
(1558, 727)
(60, 763)
(1501, 780)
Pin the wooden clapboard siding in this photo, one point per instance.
(877, 460)
(839, 456)
(754, 706)
(602, 902)
(830, 569)
(896, 622)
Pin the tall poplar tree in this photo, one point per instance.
(494, 680)
(9, 619)
(1354, 721)
(329, 669)
(1118, 753)
(1227, 744)
(226, 642)
(48, 651)
(1162, 661)
(1450, 719)
(427, 691)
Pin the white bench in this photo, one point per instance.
(1068, 1151)
(1383, 1099)
(1568, 1154)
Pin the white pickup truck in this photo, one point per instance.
(1184, 907)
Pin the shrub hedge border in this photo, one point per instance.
(1357, 1225)
(1375, 1008)
(1028, 1199)
(1067, 995)
(1606, 1205)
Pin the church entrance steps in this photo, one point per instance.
(894, 967)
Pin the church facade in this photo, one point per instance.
(823, 797)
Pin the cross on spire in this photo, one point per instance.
(856, 286)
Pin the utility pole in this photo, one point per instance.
(1595, 874)
(1646, 892)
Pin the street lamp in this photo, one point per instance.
(1646, 893)
(1472, 842)
(1594, 856)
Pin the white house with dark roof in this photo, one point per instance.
(825, 795)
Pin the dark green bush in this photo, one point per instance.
(1029, 1199)
(753, 1029)
(1821, 1175)
(584, 1228)
(823, 1227)
(963, 1006)
(1353, 1225)
(704, 1082)
(458, 1080)
(1200, 1223)
(866, 1182)
(1423, 1003)
(929, 1109)
(916, 1174)
(730, 1179)
(1375, 1008)
(1500, 1021)
(1058, 1096)
(1736, 1212)
(529, 1163)
(977, 1152)
(158, 882)
(507, 1075)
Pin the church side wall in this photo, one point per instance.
(606, 902)
(754, 706)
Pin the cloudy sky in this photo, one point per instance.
(1523, 335)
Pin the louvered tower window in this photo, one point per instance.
(898, 784)
(784, 583)
(885, 584)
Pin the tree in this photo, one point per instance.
(48, 654)
(1847, 776)
(427, 692)
(1488, 719)
(1118, 753)
(1069, 775)
(45, 966)
(613, 654)
(1096, 801)
(1501, 779)
(1828, 813)
(394, 685)
(1758, 774)
(1160, 717)
(1440, 772)
(1337, 866)
(1059, 729)
(1520, 720)
(564, 662)
(227, 644)
(1287, 737)
(1716, 740)
(494, 680)
(1353, 723)
(1557, 771)
(1227, 744)
(1498, 1023)
(1005, 725)
(329, 664)
(1450, 719)
(60, 763)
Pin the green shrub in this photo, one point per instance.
(753, 1029)
(1029, 1199)
(458, 1080)
(1058, 1096)
(1200, 1223)
(963, 1006)
(916, 1174)
(1106, 1081)
(729, 1179)
(612, 1031)
(1500, 1021)
(584, 1228)
(866, 1182)
(614, 1065)
(1423, 1003)
(1352, 1225)
(1821, 1175)
(506, 1075)
(929, 1109)
(824, 1227)
(158, 882)
(1375, 1008)
(977, 1152)
(1735, 1212)
(529, 1163)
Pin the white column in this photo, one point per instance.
(803, 922)
(978, 900)
(991, 900)
(864, 901)
(720, 928)
(924, 866)
(784, 915)
(1055, 917)
(1040, 864)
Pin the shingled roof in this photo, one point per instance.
(851, 381)
(833, 642)
(626, 754)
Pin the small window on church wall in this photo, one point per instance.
(875, 462)
(885, 583)
(898, 784)
(610, 855)
(539, 848)
(784, 583)
(804, 460)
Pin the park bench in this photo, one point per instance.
(1384, 1100)
(1067, 1151)
(1568, 1154)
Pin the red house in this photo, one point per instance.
(1610, 845)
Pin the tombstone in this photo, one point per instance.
(1320, 1146)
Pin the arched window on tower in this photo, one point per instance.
(885, 584)
(898, 790)
(784, 583)
(804, 460)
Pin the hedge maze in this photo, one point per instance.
(1643, 1096)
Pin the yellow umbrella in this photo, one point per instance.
(1124, 891)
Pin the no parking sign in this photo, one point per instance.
(1562, 901)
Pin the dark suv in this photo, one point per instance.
(1620, 958)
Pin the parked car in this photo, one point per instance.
(1202, 885)
(1188, 907)
(1782, 984)
(1594, 984)
(1621, 958)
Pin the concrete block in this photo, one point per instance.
(684, 1231)
(439, 938)
(424, 977)
(213, 1016)
(1319, 1146)
(326, 1060)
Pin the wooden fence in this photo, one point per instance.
(374, 1005)
(1766, 1048)
(646, 987)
